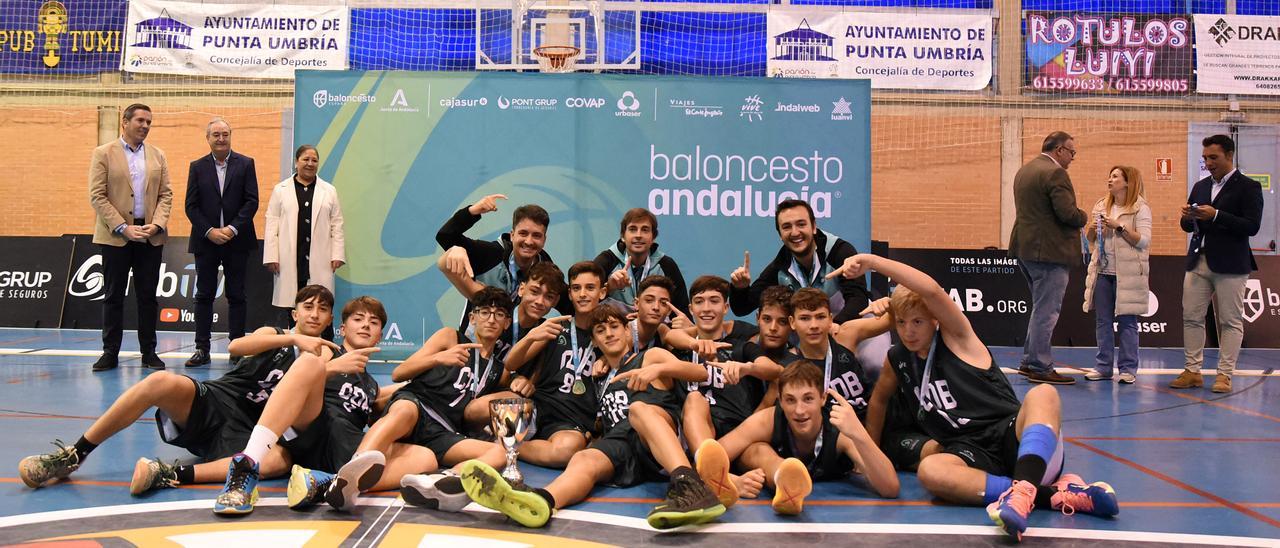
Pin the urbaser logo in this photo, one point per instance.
(170, 315)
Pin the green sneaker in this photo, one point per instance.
(149, 475)
(38, 470)
(487, 487)
(689, 502)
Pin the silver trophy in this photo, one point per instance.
(510, 419)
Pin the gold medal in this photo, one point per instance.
(579, 387)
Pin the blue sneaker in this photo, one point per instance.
(240, 492)
(1011, 510)
(307, 487)
(1075, 496)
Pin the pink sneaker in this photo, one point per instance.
(1011, 510)
(1074, 495)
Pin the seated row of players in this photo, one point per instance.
(966, 432)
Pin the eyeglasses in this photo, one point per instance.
(490, 314)
(1071, 150)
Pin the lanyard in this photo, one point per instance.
(826, 376)
(612, 373)
(635, 336)
(578, 361)
(928, 368)
(513, 286)
(812, 281)
(644, 273)
(476, 383)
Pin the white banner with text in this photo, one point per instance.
(893, 50)
(237, 40)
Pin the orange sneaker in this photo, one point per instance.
(712, 464)
(791, 485)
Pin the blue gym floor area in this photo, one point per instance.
(1190, 468)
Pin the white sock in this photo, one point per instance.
(261, 440)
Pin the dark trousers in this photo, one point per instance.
(234, 263)
(144, 260)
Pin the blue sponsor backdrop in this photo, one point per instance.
(72, 36)
(710, 157)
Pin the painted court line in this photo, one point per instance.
(1224, 502)
(1214, 403)
(755, 528)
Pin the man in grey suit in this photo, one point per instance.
(1046, 242)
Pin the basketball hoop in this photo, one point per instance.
(556, 58)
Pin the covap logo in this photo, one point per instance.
(628, 105)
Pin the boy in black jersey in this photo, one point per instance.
(800, 440)
(561, 352)
(735, 385)
(652, 307)
(993, 449)
(211, 419)
(538, 294)
(639, 414)
(320, 406)
(811, 321)
(443, 377)
(635, 257)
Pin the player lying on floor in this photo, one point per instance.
(639, 415)
(797, 441)
(992, 449)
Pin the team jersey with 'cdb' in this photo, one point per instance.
(847, 376)
(446, 390)
(960, 401)
(554, 396)
(253, 380)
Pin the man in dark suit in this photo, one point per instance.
(1222, 212)
(130, 194)
(1046, 242)
(222, 197)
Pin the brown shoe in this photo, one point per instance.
(1222, 384)
(1049, 377)
(1188, 379)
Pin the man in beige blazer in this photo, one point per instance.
(1046, 242)
(129, 191)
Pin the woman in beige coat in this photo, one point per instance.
(1116, 287)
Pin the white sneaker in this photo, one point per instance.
(355, 477)
(1096, 376)
(441, 491)
(1127, 378)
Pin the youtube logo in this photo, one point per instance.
(169, 315)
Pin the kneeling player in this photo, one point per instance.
(799, 441)
(211, 419)
(639, 413)
(994, 450)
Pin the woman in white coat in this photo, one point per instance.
(1116, 286)
(303, 243)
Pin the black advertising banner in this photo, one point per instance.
(986, 284)
(1160, 326)
(991, 290)
(33, 275)
(176, 291)
(1095, 53)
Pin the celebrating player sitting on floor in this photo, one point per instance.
(444, 376)
(561, 353)
(639, 413)
(798, 441)
(320, 406)
(211, 419)
(994, 450)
